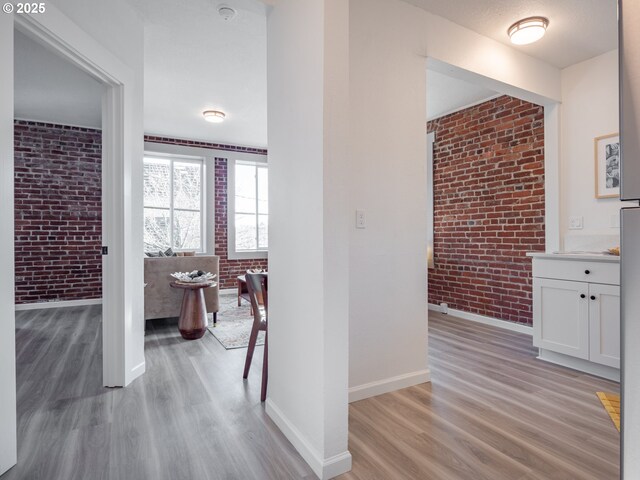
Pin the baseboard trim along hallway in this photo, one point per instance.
(387, 385)
(494, 322)
(324, 468)
(60, 304)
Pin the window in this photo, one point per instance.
(248, 186)
(173, 213)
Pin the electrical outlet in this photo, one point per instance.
(576, 223)
(360, 220)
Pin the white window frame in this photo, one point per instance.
(196, 160)
(232, 253)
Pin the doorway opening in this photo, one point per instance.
(487, 198)
(496, 193)
(58, 180)
(58, 204)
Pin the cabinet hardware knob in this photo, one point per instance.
(587, 272)
(582, 295)
(593, 297)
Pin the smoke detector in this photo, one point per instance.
(226, 12)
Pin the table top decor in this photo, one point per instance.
(197, 276)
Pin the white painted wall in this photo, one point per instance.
(308, 232)
(114, 24)
(589, 109)
(486, 59)
(387, 259)
(8, 449)
(390, 42)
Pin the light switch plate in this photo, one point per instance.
(360, 220)
(576, 223)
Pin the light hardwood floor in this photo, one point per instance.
(190, 417)
(492, 411)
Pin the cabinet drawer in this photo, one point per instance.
(576, 270)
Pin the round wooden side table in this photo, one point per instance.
(193, 314)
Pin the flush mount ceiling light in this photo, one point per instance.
(528, 30)
(214, 116)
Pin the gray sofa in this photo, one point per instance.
(162, 301)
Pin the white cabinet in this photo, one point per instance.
(604, 321)
(576, 312)
(562, 311)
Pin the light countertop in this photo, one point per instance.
(589, 256)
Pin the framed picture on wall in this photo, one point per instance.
(607, 160)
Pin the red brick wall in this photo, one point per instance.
(229, 269)
(58, 216)
(488, 207)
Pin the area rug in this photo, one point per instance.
(234, 323)
(611, 403)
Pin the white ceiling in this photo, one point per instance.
(447, 94)
(50, 89)
(195, 60)
(578, 29)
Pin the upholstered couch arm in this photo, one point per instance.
(162, 301)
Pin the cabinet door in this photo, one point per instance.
(604, 321)
(561, 316)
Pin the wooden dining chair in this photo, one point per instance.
(257, 289)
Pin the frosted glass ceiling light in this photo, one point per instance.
(214, 116)
(528, 30)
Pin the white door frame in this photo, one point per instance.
(120, 271)
(61, 35)
(8, 450)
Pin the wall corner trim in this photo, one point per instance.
(367, 390)
(494, 322)
(324, 468)
(135, 372)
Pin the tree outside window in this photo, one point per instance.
(251, 202)
(173, 191)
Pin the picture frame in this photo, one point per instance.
(607, 165)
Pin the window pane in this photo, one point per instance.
(156, 183)
(186, 230)
(263, 231)
(263, 190)
(246, 232)
(186, 185)
(245, 194)
(156, 229)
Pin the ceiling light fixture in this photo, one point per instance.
(214, 116)
(528, 30)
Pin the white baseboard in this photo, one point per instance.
(336, 465)
(60, 304)
(387, 385)
(579, 364)
(494, 322)
(323, 468)
(435, 308)
(136, 372)
(228, 291)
